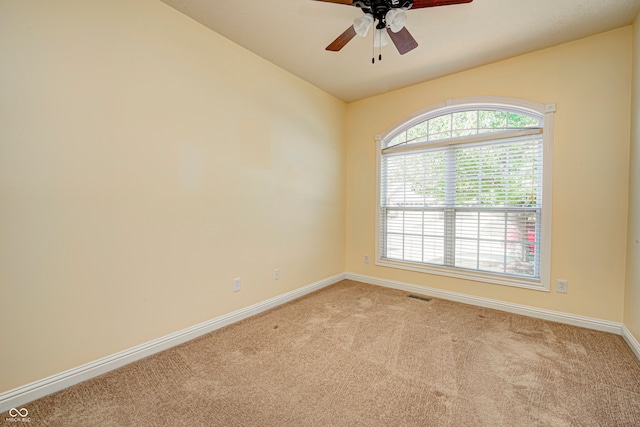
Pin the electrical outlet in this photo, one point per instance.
(236, 284)
(366, 259)
(276, 274)
(562, 286)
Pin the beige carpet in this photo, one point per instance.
(359, 355)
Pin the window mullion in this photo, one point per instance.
(424, 204)
(404, 202)
(506, 235)
(478, 242)
(449, 211)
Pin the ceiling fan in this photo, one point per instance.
(390, 15)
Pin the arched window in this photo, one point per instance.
(464, 191)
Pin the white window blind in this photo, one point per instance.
(469, 201)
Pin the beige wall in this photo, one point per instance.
(590, 81)
(632, 290)
(144, 163)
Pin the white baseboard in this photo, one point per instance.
(20, 396)
(631, 341)
(539, 313)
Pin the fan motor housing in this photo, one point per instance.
(379, 8)
(387, 4)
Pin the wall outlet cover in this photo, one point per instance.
(562, 286)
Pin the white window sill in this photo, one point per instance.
(459, 273)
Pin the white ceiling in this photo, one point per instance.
(293, 34)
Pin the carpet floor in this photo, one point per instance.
(359, 355)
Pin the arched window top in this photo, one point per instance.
(494, 115)
(466, 121)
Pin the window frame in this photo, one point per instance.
(546, 111)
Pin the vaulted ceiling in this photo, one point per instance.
(293, 34)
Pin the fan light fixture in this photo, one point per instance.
(395, 21)
(391, 16)
(363, 24)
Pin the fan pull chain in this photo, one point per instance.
(373, 54)
(373, 49)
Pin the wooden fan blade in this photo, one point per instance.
(418, 4)
(347, 2)
(403, 40)
(342, 39)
